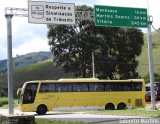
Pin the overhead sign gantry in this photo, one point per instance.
(64, 13)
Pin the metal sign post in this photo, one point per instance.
(9, 64)
(150, 56)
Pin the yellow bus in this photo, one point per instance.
(46, 95)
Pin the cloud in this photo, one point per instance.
(26, 37)
(3, 51)
(125, 3)
(34, 44)
(25, 30)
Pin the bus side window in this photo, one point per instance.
(80, 87)
(92, 87)
(43, 88)
(107, 87)
(65, 87)
(137, 86)
(47, 87)
(110, 86)
(77, 87)
(58, 88)
(99, 86)
(51, 87)
(84, 87)
(124, 86)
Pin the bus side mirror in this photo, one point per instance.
(19, 91)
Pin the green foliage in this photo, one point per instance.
(115, 49)
(40, 71)
(129, 112)
(3, 101)
(24, 60)
(143, 66)
(156, 77)
(2, 79)
(45, 70)
(23, 70)
(155, 37)
(47, 121)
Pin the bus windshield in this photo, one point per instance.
(29, 93)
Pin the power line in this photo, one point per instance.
(155, 29)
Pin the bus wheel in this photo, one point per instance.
(121, 106)
(109, 106)
(41, 110)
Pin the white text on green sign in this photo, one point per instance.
(120, 16)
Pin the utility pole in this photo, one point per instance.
(150, 55)
(93, 65)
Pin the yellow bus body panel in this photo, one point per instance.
(52, 100)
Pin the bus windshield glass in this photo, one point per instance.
(30, 93)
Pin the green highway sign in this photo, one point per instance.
(120, 16)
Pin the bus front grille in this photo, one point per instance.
(138, 102)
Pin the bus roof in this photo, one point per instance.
(79, 79)
(85, 80)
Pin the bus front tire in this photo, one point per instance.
(41, 110)
(109, 106)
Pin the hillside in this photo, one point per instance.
(44, 70)
(143, 67)
(24, 60)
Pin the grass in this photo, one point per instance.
(47, 121)
(4, 102)
(143, 67)
(129, 112)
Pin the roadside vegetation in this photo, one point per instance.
(129, 112)
(47, 121)
(143, 67)
(4, 102)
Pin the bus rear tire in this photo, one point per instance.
(109, 106)
(121, 106)
(41, 110)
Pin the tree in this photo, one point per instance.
(156, 78)
(115, 49)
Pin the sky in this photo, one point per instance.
(28, 37)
